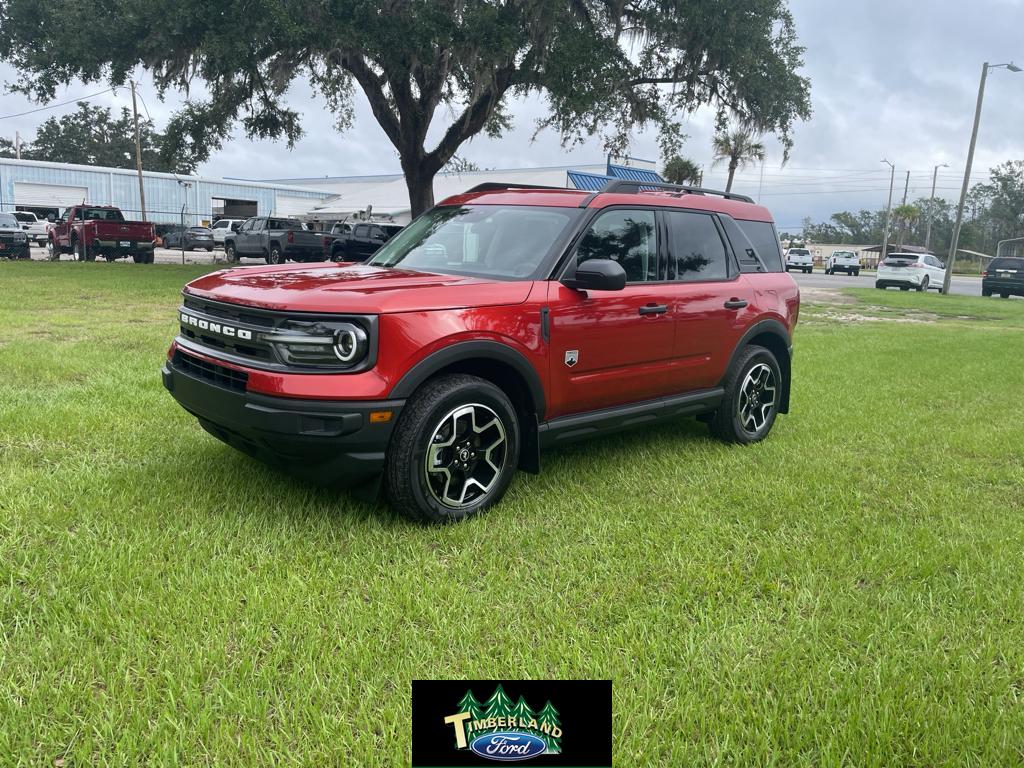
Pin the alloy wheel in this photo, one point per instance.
(465, 456)
(757, 398)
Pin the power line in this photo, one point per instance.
(54, 106)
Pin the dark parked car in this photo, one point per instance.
(190, 239)
(13, 240)
(275, 240)
(1005, 277)
(358, 242)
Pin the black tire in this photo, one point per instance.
(229, 252)
(82, 253)
(986, 291)
(426, 415)
(210, 249)
(1004, 295)
(924, 285)
(856, 273)
(809, 271)
(879, 285)
(274, 255)
(727, 423)
(904, 287)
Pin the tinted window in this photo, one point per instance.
(1005, 263)
(696, 249)
(27, 218)
(502, 241)
(627, 237)
(762, 236)
(362, 230)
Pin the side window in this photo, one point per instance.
(362, 230)
(696, 248)
(626, 236)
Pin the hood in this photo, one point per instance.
(332, 288)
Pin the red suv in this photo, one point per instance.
(502, 321)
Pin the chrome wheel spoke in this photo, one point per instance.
(465, 456)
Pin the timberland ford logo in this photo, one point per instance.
(500, 729)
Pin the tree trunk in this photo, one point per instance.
(419, 180)
(732, 172)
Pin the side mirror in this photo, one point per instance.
(598, 275)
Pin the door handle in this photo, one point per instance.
(735, 304)
(654, 309)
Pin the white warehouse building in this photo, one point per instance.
(48, 188)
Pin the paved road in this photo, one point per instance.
(164, 256)
(964, 286)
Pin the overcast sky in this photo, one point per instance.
(892, 79)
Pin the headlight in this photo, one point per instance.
(338, 345)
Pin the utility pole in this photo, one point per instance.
(955, 241)
(888, 213)
(138, 153)
(760, 184)
(903, 221)
(931, 207)
(17, 145)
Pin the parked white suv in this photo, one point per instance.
(33, 226)
(843, 261)
(799, 258)
(223, 227)
(919, 271)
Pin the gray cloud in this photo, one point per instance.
(894, 79)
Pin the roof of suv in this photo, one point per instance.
(576, 198)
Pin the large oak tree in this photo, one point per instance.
(605, 67)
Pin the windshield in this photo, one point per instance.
(8, 221)
(799, 252)
(844, 255)
(479, 240)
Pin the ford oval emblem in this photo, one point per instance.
(508, 746)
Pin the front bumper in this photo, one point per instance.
(15, 250)
(329, 442)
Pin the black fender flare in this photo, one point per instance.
(777, 329)
(479, 349)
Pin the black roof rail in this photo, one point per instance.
(497, 186)
(627, 186)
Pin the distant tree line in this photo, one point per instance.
(994, 212)
(92, 135)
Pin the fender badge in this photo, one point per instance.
(572, 357)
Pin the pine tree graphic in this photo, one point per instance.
(471, 705)
(521, 711)
(499, 705)
(549, 717)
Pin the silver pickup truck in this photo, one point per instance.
(276, 240)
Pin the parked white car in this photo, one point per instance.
(222, 227)
(33, 226)
(919, 271)
(843, 261)
(799, 258)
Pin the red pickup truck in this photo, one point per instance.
(88, 231)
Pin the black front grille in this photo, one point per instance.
(221, 375)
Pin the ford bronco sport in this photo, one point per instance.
(502, 321)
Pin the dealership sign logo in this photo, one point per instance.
(208, 325)
(503, 730)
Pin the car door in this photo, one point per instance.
(358, 245)
(708, 297)
(248, 238)
(609, 348)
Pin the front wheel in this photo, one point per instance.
(230, 253)
(753, 389)
(454, 450)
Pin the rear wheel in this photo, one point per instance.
(454, 450)
(274, 256)
(924, 285)
(83, 253)
(753, 389)
(879, 285)
(856, 273)
(986, 291)
(1004, 295)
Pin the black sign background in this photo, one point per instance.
(584, 709)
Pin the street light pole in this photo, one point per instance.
(888, 213)
(931, 206)
(955, 241)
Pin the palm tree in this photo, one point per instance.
(740, 148)
(906, 215)
(681, 170)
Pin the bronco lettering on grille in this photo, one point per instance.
(221, 328)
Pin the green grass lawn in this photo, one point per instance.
(848, 592)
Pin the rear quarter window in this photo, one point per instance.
(765, 240)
